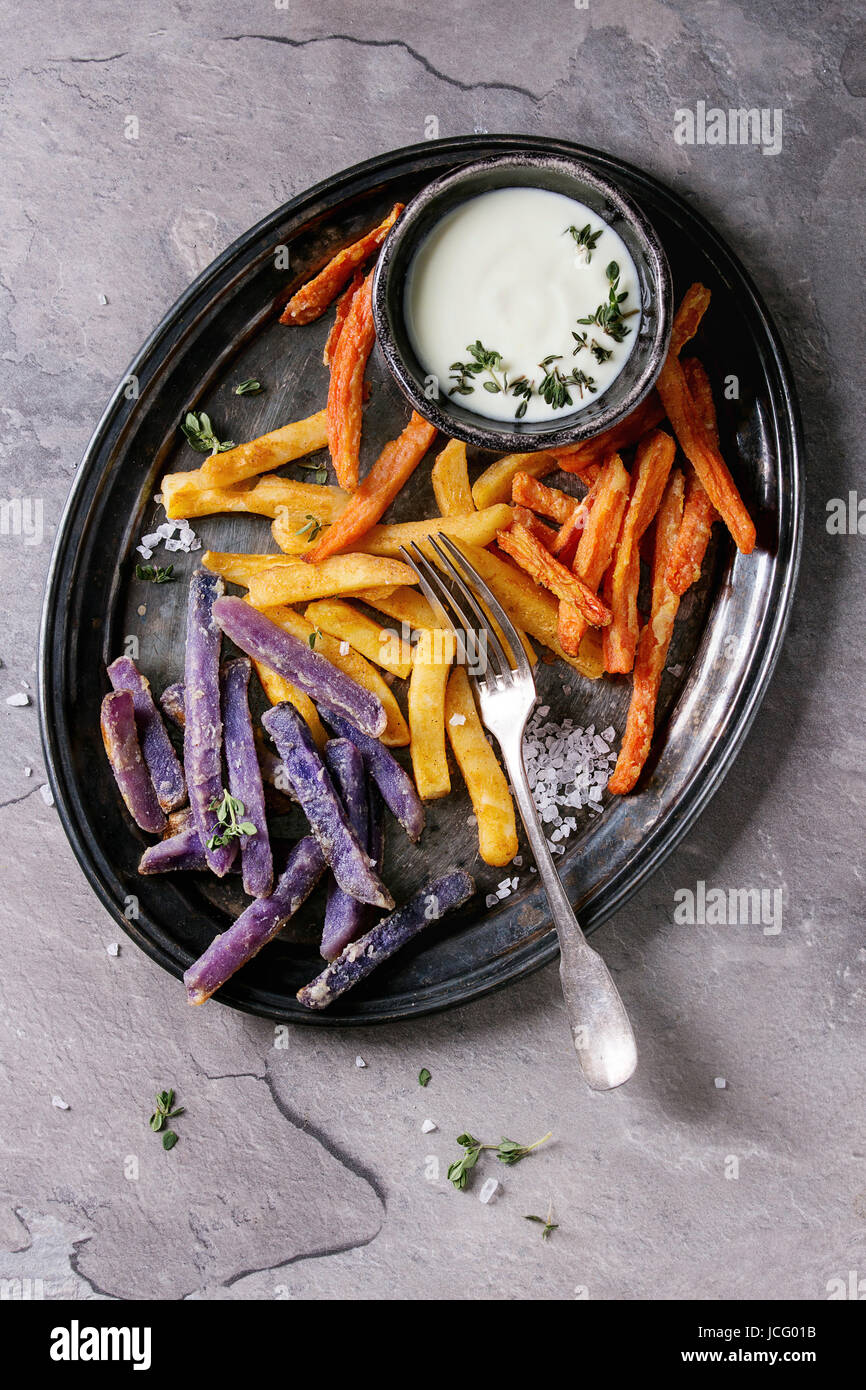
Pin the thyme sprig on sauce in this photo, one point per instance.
(609, 317)
(586, 239)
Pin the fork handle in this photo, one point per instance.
(602, 1033)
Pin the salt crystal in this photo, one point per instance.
(428, 1127)
(113, 949)
(59, 1103)
(457, 719)
(26, 685)
(609, 733)
(518, 860)
(471, 820)
(676, 671)
(359, 1062)
(488, 1191)
(19, 700)
(344, 649)
(491, 900)
(720, 1083)
(506, 883)
(28, 772)
(46, 794)
(103, 299)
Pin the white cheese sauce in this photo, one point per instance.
(503, 270)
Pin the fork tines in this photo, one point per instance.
(474, 638)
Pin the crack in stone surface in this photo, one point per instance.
(393, 43)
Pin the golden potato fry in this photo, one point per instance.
(450, 478)
(295, 581)
(478, 528)
(187, 495)
(433, 656)
(485, 781)
(494, 484)
(278, 690)
(532, 608)
(396, 733)
(383, 646)
(267, 452)
(412, 608)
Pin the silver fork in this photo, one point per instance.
(603, 1036)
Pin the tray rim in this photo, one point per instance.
(533, 954)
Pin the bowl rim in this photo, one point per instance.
(571, 429)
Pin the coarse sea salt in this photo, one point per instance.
(568, 768)
(175, 535)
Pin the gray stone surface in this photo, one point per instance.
(299, 1174)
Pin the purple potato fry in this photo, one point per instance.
(262, 639)
(245, 778)
(345, 916)
(182, 850)
(258, 924)
(157, 750)
(171, 703)
(203, 731)
(395, 784)
(120, 737)
(362, 956)
(322, 806)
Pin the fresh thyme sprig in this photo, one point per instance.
(311, 640)
(229, 810)
(311, 527)
(546, 1221)
(507, 1151)
(318, 475)
(609, 317)
(555, 383)
(424, 1077)
(483, 360)
(165, 1110)
(199, 433)
(250, 387)
(155, 574)
(586, 238)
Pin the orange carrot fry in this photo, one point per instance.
(346, 390)
(653, 646)
(532, 557)
(687, 319)
(653, 461)
(397, 461)
(596, 544)
(699, 514)
(313, 298)
(537, 528)
(549, 501)
(703, 454)
(343, 305)
(579, 458)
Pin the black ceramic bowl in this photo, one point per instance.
(561, 175)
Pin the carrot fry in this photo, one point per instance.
(346, 388)
(313, 298)
(530, 554)
(397, 461)
(596, 544)
(530, 492)
(537, 528)
(653, 646)
(344, 303)
(570, 532)
(578, 458)
(652, 465)
(687, 319)
(699, 514)
(703, 454)
(494, 484)
(450, 479)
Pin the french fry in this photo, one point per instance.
(652, 466)
(596, 544)
(522, 516)
(396, 733)
(485, 781)
(703, 454)
(530, 554)
(569, 534)
(577, 458)
(380, 645)
(699, 514)
(397, 461)
(433, 656)
(294, 581)
(313, 298)
(478, 528)
(450, 478)
(495, 483)
(687, 319)
(653, 645)
(346, 388)
(277, 690)
(343, 306)
(186, 495)
(532, 608)
(530, 492)
(266, 453)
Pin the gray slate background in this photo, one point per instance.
(299, 1174)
